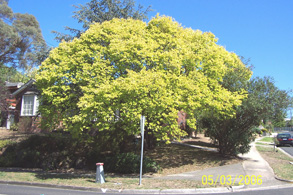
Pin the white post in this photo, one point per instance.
(100, 177)
(142, 120)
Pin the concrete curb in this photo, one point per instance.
(285, 180)
(130, 191)
(276, 177)
(195, 191)
(148, 191)
(51, 186)
(284, 152)
(233, 188)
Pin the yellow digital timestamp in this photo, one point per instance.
(229, 180)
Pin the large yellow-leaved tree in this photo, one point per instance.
(124, 68)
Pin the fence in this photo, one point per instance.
(276, 129)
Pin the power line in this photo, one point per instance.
(48, 43)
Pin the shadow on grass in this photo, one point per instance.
(15, 137)
(67, 176)
(174, 156)
(168, 156)
(200, 143)
(87, 177)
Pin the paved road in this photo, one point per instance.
(288, 149)
(30, 190)
(280, 191)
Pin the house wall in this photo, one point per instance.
(24, 123)
(182, 120)
(11, 112)
(29, 124)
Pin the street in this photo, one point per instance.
(288, 149)
(6, 189)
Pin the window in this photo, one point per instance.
(29, 106)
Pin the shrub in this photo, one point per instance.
(5, 143)
(47, 152)
(8, 158)
(51, 152)
(129, 163)
(14, 127)
(257, 130)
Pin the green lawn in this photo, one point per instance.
(267, 139)
(112, 181)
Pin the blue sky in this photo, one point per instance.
(257, 29)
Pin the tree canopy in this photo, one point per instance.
(121, 69)
(11, 74)
(21, 41)
(265, 104)
(98, 11)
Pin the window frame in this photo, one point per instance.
(35, 105)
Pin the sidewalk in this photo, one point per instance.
(252, 167)
(256, 165)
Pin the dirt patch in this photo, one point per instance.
(200, 140)
(12, 135)
(174, 158)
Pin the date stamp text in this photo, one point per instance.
(229, 180)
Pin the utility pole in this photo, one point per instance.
(142, 120)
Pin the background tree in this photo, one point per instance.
(290, 123)
(120, 69)
(21, 42)
(264, 102)
(3, 102)
(10, 74)
(100, 11)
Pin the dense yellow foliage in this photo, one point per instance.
(120, 69)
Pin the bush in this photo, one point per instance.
(51, 152)
(8, 158)
(5, 143)
(47, 152)
(257, 130)
(129, 163)
(14, 127)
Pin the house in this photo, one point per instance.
(23, 106)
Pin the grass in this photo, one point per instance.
(264, 144)
(267, 139)
(279, 162)
(112, 181)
